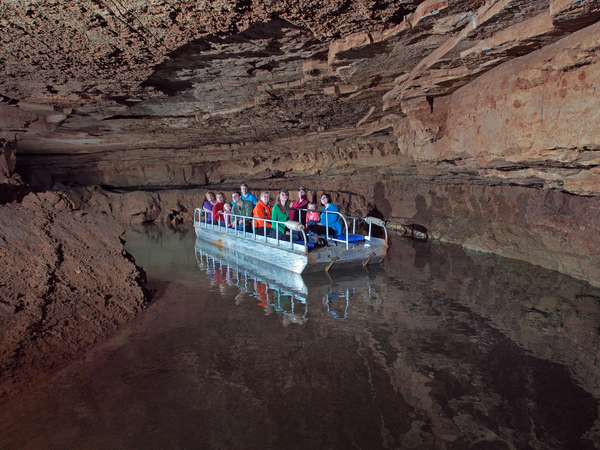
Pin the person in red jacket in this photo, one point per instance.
(216, 212)
(301, 203)
(262, 210)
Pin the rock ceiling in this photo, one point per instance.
(110, 74)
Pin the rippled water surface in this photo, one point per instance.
(435, 349)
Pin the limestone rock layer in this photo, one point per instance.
(462, 103)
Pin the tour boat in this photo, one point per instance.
(351, 248)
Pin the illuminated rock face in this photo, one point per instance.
(477, 120)
(65, 283)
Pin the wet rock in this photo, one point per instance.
(12, 186)
(65, 283)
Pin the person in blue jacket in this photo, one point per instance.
(247, 195)
(330, 223)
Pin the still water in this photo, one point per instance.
(437, 348)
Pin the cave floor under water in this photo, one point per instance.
(436, 348)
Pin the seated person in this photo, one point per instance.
(301, 203)
(281, 213)
(312, 217)
(247, 195)
(209, 203)
(242, 208)
(331, 224)
(218, 207)
(262, 210)
(225, 217)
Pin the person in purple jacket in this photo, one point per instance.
(211, 201)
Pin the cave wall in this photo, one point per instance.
(506, 164)
(532, 121)
(518, 153)
(547, 228)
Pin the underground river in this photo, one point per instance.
(437, 348)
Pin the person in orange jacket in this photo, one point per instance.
(262, 210)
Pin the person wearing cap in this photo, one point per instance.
(247, 195)
(301, 203)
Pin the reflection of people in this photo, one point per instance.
(262, 297)
(242, 208)
(281, 301)
(301, 203)
(262, 210)
(247, 195)
(331, 222)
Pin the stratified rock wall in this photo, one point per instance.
(475, 120)
(551, 229)
(65, 283)
(531, 122)
(342, 152)
(535, 120)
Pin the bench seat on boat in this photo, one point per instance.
(341, 237)
(351, 237)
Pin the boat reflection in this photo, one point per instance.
(287, 293)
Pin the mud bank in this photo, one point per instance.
(65, 283)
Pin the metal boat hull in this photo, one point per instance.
(297, 259)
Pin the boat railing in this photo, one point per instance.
(202, 217)
(344, 237)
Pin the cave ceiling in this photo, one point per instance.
(93, 74)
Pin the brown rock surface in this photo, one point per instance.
(141, 76)
(65, 283)
(476, 119)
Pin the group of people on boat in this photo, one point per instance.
(245, 212)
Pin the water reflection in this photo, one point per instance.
(438, 349)
(286, 293)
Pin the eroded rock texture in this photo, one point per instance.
(474, 119)
(65, 283)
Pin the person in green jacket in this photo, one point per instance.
(281, 212)
(242, 208)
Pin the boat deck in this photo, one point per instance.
(346, 250)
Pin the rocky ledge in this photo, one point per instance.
(65, 283)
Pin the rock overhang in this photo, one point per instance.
(151, 79)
